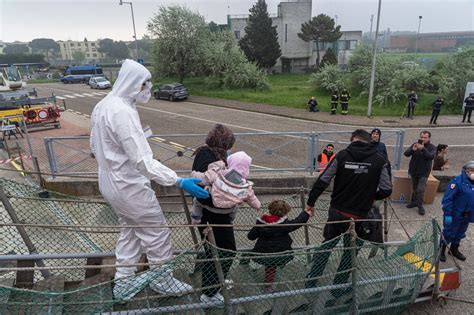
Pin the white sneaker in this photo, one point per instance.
(126, 288)
(217, 298)
(167, 284)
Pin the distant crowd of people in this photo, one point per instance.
(409, 112)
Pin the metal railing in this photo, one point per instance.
(270, 151)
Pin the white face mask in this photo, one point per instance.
(471, 177)
(145, 94)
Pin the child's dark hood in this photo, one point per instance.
(361, 150)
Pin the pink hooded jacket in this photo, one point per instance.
(226, 194)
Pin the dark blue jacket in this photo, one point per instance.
(458, 200)
(380, 146)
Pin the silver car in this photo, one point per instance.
(99, 83)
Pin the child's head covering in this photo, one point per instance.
(240, 162)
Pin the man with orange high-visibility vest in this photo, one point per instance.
(326, 157)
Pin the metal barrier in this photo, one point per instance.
(270, 151)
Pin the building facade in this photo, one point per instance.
(430, 42)
(89, 48)
(296, 54)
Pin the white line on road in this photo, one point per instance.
(79, 95)
(90, 95)
(60, 98)
(69, 96)
(95, 93)
(177, 144)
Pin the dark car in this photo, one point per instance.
(171, 92)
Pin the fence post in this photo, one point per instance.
(305, 227)
(436, 245)
(354, 267)
(51, 159)
(220, 272)
(399, 149)
(25, 130)
(38, 171)
(188, 217)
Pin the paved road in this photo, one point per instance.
(190, 118)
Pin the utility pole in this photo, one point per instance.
(374, 58)
(371, 24)
(418, 35)
(133, 21)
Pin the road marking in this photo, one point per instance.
(60, 98)
(87, 94)
(79, 95)
(177, 144)
(69, 96)
(79, 113)
(95, 93)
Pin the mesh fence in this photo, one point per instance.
(335, 277)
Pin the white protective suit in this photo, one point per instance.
(126, 166)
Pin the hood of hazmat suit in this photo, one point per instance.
(124, 157)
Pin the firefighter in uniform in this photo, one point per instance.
(344, 99)
(334, 101)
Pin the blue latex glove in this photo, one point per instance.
(189, 184)
(448, 220)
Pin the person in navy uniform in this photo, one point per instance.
(458, 208)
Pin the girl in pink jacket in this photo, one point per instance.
(229, 186)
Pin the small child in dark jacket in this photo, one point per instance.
(272, 239)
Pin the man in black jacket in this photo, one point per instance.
(436, 109)
(361, 176)
(468, 108)
(422, 154)
(412, 100)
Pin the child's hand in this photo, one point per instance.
(309, 210)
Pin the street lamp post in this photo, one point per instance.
(133, 21)
(418, 35)
(374, 58)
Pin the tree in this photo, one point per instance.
(16, 49)
(330, 78)
(44, 45)
(79, 55)
(113, 49)
(181, 37)
(213, 27)
(260, 43)
(320, 29)
(224, 60)
(21, 58)
(329, 58)
(144, 47)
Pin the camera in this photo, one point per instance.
(420, 141)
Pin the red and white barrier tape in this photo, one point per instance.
(25, 157)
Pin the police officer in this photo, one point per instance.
(468, 108)
(458, 208)
(436, 109)
(361, 176)
(334, 101)
(412, 100)
(344, 99)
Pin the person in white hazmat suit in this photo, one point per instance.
(126, 166)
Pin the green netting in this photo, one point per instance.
(339, 276)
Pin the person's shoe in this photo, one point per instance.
(167, 284)
(435, 123)
(421, 210)
(430, 122)
(216, 298)
(411, 205)
(469, 121)
(456, 253)
(442, 256)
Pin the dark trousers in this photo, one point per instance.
(225, 239)
(456, 231)
(410, 109)
(467, 112)
(434, 115)
(333, 108)
(320, 259)
(344, 108)
(418, 187)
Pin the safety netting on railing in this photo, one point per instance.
(343, 275)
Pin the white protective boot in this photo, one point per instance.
(167, 284)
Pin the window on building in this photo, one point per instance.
(352, 44)
(286, 33)
(92, 44)
(94, 55)
(237, 34)
(88, 55)
(71, 44)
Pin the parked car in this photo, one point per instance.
(171, 92)
(73, 79)
(99, 83)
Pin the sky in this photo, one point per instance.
(24, 20)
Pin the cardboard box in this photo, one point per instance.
(402, 187)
